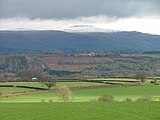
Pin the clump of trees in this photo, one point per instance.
(65, 94)
(27, 75)
(61, 72)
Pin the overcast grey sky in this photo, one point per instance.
(47, 9)
(127, 15)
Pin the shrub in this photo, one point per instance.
(127, 100)
(156, 83)
(50, 100)
(152, 82)
(144, 99)
(106, 98)
(42, 100)
(93, 100)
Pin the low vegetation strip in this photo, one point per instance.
(6, 85)
(80, 111)
(37, 88)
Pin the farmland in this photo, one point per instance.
(79, 111)
(103, 64)
(79, 64)
(25, 91)
(85, 95)
(5, 90)
(47, 105)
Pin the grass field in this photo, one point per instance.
(116, 79)
(31, 84)
(5, 90)
(31, 107)
(41, 85)
(85, 95)
(80, 111)
(74, 84)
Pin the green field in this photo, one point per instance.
(80, 111)
(5, 90)
(37, 106)
(31, 84)
(85, 95)
(75, 84)
(116, 79)
(58, 84)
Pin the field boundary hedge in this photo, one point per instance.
(19, 86)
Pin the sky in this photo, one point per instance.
(128, 15)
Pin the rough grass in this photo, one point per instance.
(80, 111)
(5, 90)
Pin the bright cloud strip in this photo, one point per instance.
(142, 24)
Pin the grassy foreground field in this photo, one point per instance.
(80, 111)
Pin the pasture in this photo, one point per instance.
(85, 95)
(47, 105)
(80, 111)
(5, 90)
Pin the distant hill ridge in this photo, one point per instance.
(34, 40)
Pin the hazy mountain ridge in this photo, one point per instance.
(86, 28)
(83, 41)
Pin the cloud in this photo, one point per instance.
(50, 24)
(137, 15)
(66, 9)
(148, 24)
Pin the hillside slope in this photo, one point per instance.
(58, 40)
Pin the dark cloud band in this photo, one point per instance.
(75, 8)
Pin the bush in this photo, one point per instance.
(152, 82)
(106, 98)
(50, 100)
(42, 100)
(93, 100)
(127, 100)
(144, 99)
(156, 83)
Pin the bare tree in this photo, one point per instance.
(49, 81)
(140, 75)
